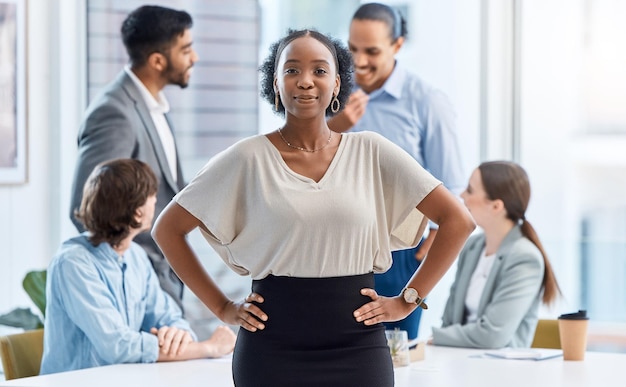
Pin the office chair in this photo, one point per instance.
(547, 335)
(21, 354)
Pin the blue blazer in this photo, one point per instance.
(509, 306)
(118, 124)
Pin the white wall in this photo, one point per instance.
(33, 216)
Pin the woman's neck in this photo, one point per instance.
(306, 132)
(495, 234)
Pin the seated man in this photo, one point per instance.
(104, 301)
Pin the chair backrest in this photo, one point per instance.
(547, 335)
(21, 354)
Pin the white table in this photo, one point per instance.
(442, 367)
(457, 367)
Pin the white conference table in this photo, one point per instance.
(442, 367)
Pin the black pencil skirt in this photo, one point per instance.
(311, 337)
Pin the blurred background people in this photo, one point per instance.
(128, 118)
(503, 273)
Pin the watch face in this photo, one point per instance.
(410, 295)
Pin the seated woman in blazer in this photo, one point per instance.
(503, 273)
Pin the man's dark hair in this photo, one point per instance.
(386, 14)
(111, 196)
(343, 61)
(150, 29)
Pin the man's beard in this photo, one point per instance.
(174, 77)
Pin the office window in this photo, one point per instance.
(573, 136)
(603, 79)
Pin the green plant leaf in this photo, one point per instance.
(35, 286)
(21, 318)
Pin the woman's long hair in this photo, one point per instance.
(507, 181)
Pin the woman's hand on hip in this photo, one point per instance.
(381, 309)
(246, 314)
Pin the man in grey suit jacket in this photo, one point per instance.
(127, 119)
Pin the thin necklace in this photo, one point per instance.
(330, 136)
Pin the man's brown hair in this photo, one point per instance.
(111, 196)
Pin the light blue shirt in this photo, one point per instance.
(100, 308)
(419, 119)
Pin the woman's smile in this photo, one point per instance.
(306, 99)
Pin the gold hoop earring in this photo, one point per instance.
(276, 101)
(335, 105)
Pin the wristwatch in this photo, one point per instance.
(411, 296)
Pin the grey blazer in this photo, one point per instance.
(118, 124)
(509, 306)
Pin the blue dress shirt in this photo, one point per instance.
(419, 119)
(101, 306)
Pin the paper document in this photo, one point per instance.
(525, 354)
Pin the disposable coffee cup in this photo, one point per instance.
(573, 333)
(398, 343)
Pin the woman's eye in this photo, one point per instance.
(321, 71)
(290, 71)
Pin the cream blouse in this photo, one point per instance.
(266, 219)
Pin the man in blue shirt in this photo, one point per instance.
(104, 302)
(400, 106)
